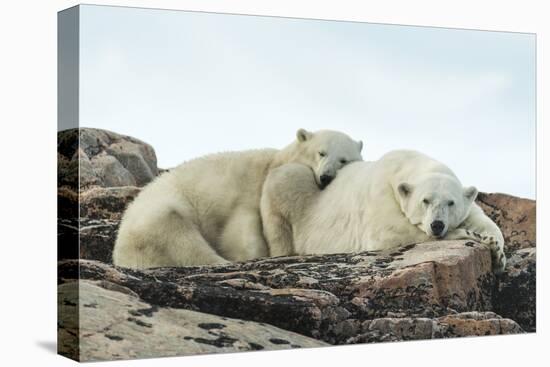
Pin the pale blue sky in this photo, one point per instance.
(196, 83)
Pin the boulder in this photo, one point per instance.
(516, 218)
(105, 159)
(113, 323)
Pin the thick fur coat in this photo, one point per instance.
(403, 198)
(207, 210)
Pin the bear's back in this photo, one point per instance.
(400, 166)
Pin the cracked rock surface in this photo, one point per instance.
(322, 297)
(115, 324)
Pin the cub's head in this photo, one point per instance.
(326, 151)
(437, 204)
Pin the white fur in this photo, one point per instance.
(372, 206)
(206, 211)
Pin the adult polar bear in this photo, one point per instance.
(207, 210)
(403, 198)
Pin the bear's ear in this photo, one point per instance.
(404, 189)
(470, 193)
(303, 135)
(360, 142)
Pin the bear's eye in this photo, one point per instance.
(426, 201)
(343, 161)
(322, 154)
(451, 203)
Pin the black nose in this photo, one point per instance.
(437, 227)
(325, 180)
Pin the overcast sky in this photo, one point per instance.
(196, 83)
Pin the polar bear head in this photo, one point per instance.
(436, 204)
(326, 151)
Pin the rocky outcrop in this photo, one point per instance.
(106, 202)
(112, 160)
(113, 168)
(516, 218)
(516, 288)
(94, 216)
(67, 160)
(323, 297)
(97, 239)
(516, 295)
(432, 290)
(105, 159)
(115, 324)
(450, 326)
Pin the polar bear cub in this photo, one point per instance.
(403, 198)
(206, 211)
